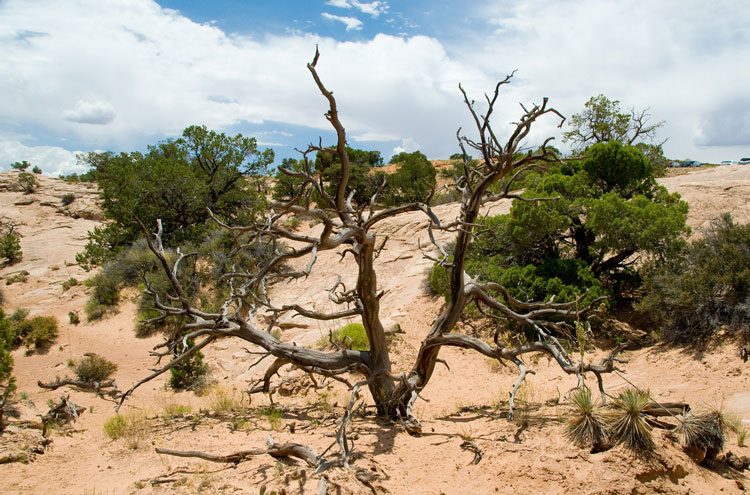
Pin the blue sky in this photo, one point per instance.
(82, 75)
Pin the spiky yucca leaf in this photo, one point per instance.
(629, 426)
(586, 427)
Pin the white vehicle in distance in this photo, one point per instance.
(744, 161)
(728, 162)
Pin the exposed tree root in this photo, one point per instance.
(108, 387)
(273, 449)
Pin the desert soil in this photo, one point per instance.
(527, 455)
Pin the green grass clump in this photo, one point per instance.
(95, 368)
(224, 400)
(115, 427)
(131, 426)
(173, 409)
(274, 416)
(18, 277)
(351, 336)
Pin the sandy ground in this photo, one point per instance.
(526, 455)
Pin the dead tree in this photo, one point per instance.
(351, 228)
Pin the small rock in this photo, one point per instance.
(24, 201)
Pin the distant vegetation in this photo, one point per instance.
(413, 179)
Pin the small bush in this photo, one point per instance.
(351, 336)
(692, 296)
(190, 374)
(20, 165)
(703, 433)
(95, 368)
(36, 170)
(73, 317)
(27, 182)
(291, 223)
(7, 339)
(440, 280)
(10, 247)
(68, 198)
(71, 282)
(38, 332)
(105, 297)
(19, 315)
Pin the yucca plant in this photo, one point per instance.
(586, 426)
(629, 426)
(702, 431)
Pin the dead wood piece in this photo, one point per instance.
(100, 388)
(473, 447)
(666, 409)
(272, 448)
(63, 413)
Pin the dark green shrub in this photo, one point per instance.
(10, 247)
(67, 198)
(20, 165)
(190, 374)
(440, 280)
(73, 317)
(7, 339)
(36, 170)
(94, 368)
(690, 297)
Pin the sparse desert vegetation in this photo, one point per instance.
(294, 349)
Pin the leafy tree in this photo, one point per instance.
(608, 211)
(603, 121)
(412, 181)
(176, 181)
(22, 166)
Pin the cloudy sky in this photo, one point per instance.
(81, 75)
